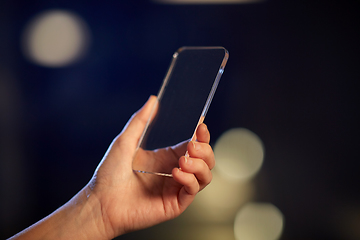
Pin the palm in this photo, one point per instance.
(147, 199)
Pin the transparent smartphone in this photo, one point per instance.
(183, 100)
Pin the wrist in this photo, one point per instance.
(84, 213)
(80, 218)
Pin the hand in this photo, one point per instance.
(131, 201)
(118, 200)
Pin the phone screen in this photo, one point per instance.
(185, 95)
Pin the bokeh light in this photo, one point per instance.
(55, 38)
(220, 200)
(239, 154)
(258, 221)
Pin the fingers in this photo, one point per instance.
(197, 167)
(201, 149)
(189, 189)
(195, 173)
(194, 176)
(191, 185)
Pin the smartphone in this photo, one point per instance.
(184, 97)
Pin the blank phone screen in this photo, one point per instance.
(185, 95)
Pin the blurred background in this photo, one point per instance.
(283, 120)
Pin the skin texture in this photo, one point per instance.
(118, 200)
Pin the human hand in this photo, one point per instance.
(130, 201)
(118, 200)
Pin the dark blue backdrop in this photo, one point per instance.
(291, 79)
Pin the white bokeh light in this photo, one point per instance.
(258, 221)
(220, 200)
(239, 154)
(55, 38)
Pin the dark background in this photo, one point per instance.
(291, 78)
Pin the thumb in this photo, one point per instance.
(131, 134)
(124, 145)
